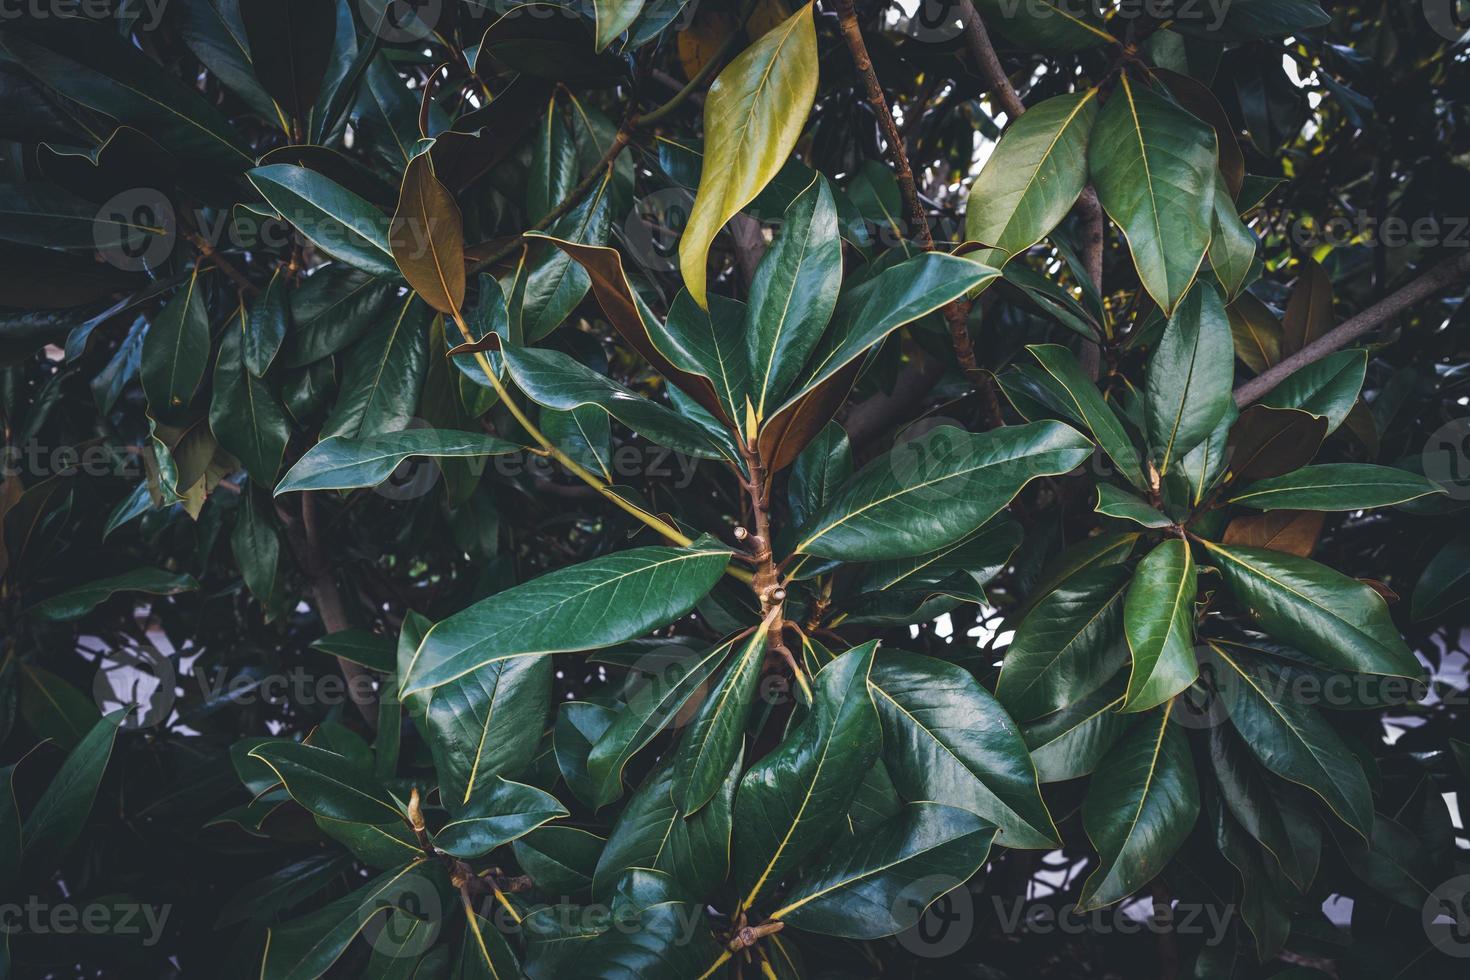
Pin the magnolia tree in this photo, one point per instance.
(659, 489)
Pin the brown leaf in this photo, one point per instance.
(1256, 331)
(1309, 312)
(1292, 531)
(427, 237)
(1267, 442)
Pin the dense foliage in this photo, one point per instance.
(663, 489)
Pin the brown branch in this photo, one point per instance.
(1455, 271)
(977, 39)
(333, 611)
(957, 313)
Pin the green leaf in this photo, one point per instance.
(1262, 907)
(711, 344)
(1396, 863)
(1292, 740)
(257, 552)
(176, 352)
(1154, 167)
(946, 740)
(1033, 177)
(244, 414)
(659, 695)
(753, 114)
(343, 464)
(1068, 646)
(77, 602)
(613, 17)
(373, 650)
(1258, 806)
(484, 954)
(559, 859)
(791, 801)
(938, 489)
(1052, 26)
(326, 783)
(594, 604)
(717, 733)
(1088, 407)
(214, 32)
(1247, 20)
(336, 220)
(1189, 378)
(1141, 805)
(40, 214)
(486, 723)
(821, 469)
(1158, 619)
(330, 310)
(290, 44)
(655, 831)
(1232, 245)
(1113, 502)
(383, 373)
(86, 62)
(307, 947)
(884, 882)
(498, 812)
(1445, 581)
(557, 381)
(1071, 743)
(554, 284)
(1328, 387)
(792, 296)
(1336, 486)
(1309, 606)
(12, 841)
(57, 819)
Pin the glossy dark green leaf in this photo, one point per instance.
(1189, 378)
(560, 859)
(331, 309)
(1445, 581)
(484, 953)
(553, 284)
(290, 42)
(1323, 612)
(1070, 743)
(308, 946)
(937, 489)
(1232, 245)
(1259, 807)
(1158, 620)
(176, 352)
(326, 783)
(1336, 487)
(709, 343)
(1068, 645)
(498, 812)
(1262, 907)
(1112, 502)
(1395, 863)
(1328, 387)
(85, 61)
(57, 818)
(654, 831)
(336, 220)
(594, 604)
(1154, 167)
(819, 472)
(884, 882)
(244, 414)
(1088, 407)
(946, 740)
(343, 464)
(792, 296)
(1054, 26)
(1292, 740)
(1141, 805)
(383, 373)
(656, 698)
(716, 734)
(373, 650)
(790, 801)
(215, 33)
(977, 559)
(257, 551)
(82, 599)
(1033, 177)
(557, 381)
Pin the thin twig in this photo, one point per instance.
(977, 39)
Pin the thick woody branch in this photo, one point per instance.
(977, 39)
(1454, 272)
